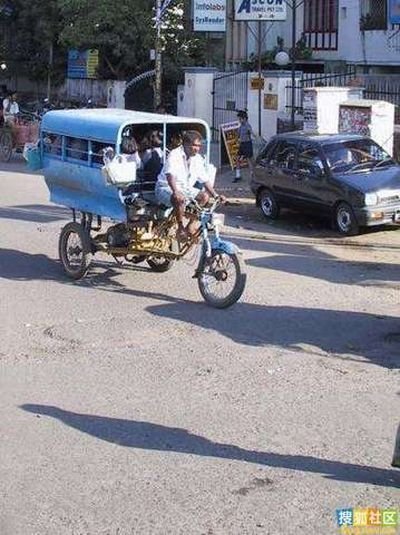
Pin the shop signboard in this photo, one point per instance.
(209, 15)
(229, 143)
(260, 9)
(82, 63)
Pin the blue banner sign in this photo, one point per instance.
(82, 63)
(394, 11)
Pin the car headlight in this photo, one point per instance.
(370, 199)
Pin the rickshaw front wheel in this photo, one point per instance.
(6, 146)
(160, 264)
(75, 250)
(223, 279)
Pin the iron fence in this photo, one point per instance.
(376, 87)
(229, 96)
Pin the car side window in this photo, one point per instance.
(309, 161)
(284, 155)
(265, 155)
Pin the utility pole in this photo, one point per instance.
(259, 37)
(293, 5)
(158, 62)
(293, 111)
(259, 43)
(49, 72)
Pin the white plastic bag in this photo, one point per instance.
(28, 147)
(120, 170)
(31, 153)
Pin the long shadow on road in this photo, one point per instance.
(305, 260)
(151, 436)
(38, 213)
(333, 270)
(337, 333)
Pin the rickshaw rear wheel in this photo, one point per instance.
(74, 249)
(223, 279)
(6, 146)
(160, 264)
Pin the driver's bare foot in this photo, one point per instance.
(182, 235)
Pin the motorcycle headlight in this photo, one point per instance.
(218, 220)
(370, 199)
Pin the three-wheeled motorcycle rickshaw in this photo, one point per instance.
(75, 150)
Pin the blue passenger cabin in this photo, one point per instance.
(72, 143)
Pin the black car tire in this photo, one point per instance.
(267, 202)
(345, 220)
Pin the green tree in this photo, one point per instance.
(32, 30)
(121, 32)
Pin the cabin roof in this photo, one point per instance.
(104, 124)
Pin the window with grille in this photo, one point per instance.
(373, 15)
(320, 15)
(321, 24)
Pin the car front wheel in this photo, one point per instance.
(269, 206)
(345, 220)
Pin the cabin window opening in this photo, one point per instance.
(52, 144)
(97, 152)
(77, 148)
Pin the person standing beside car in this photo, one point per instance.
(245, 154)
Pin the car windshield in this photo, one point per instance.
(357, 155)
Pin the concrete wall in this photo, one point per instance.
(371, 47)
(195, 98)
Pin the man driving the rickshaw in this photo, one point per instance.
(183, 178)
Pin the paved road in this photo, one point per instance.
(128, 406)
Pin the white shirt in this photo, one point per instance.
(14, 108)
(186, 171)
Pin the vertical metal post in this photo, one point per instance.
(158, 63)
(50, 68)
(259, 42)
(292, 117)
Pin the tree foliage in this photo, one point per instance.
(123, 32)
(30, 37)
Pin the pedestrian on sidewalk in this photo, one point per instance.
(245, 154)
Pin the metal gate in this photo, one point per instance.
(229, 96)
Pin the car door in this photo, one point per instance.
(309, 177)
(274, 169)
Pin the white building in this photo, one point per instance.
(359, 33)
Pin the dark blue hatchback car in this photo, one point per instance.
(346, 177)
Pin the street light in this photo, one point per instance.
(3, 66)
(282, 58)
(293, 5)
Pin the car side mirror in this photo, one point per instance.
(317, 170)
